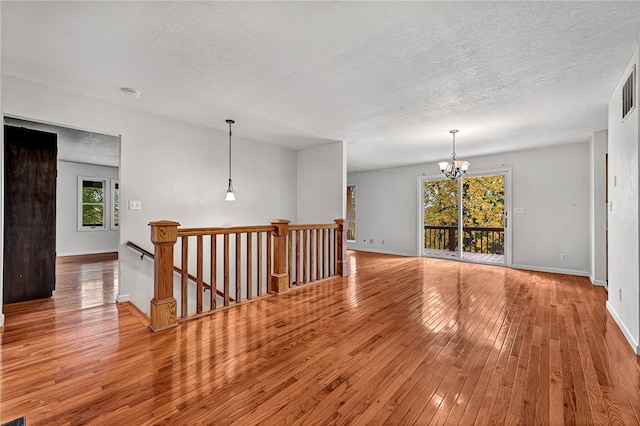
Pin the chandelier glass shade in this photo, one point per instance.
(454, 168)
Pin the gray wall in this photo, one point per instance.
(321, 183)
(550, 183)
(178, 171)
(70, 241)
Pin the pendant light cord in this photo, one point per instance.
(229, 121)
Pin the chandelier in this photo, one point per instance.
(453, 168)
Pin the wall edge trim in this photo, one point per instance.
(625, 331)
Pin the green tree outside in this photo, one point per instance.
(483, 207)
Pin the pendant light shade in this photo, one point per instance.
(231, 194)
(453, 168)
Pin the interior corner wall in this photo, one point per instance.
(598, 208)
(322, 183)
(624, 238)
(177, 170)
(556, 205)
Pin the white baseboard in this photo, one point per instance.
(552, 270)
(372, 250)
(1, 320)
(82, 253)
(123, 298)
(623, 327)
(600, 283)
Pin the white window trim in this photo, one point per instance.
(106, 202)
(114, 226)
(356, 227)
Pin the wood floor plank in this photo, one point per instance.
(400, 341)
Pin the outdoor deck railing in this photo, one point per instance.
(241, 263)
(475, 239)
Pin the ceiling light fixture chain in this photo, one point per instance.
(231, 194)
(453, 169)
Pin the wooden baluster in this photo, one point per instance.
(199, 287)
(290, 257)
(341, 248)
(226, 269)
(318, 234)
(304, 256)
(298, 264)
(334, 238)
(184, 305)
(279, 277)
(269, 267)
(322, 254)
(249, 266)
(214, 273)
(164, 235)
(325, 265)
(260, 267)
(238, 267)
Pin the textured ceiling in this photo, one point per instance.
(78, 146)
(389, 78)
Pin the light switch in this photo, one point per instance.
(135, 205)
(519, 210)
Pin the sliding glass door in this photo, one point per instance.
(466, 218)
(441, 216)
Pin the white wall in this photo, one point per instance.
(70, 241)
(624, 239)
(597, 208)
(322, 173)
(550, 183)
(178, 171)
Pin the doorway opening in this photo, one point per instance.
(466, 218)
(84, 225)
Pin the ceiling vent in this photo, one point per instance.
(628, 94)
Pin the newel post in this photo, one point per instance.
(341, 250)
(164, 235)
(279, 282)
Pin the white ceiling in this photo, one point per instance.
(78, 146)
(389, 78)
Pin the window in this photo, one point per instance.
(351, 213)
(115, 203)
(91, 203)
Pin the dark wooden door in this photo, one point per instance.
(29, 214)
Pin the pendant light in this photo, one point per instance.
(453, 168)
(231, 194)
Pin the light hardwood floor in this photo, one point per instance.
(400, 341)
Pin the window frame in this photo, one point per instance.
(113, 225)
(355, 214)
(81, 204)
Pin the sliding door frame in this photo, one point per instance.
(506, 172)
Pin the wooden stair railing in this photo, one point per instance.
(143, 252)
(242, 263)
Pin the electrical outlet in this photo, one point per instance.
(382, 242)
(371, 241)
(563, 256)
(620, 294)
(518, 210)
